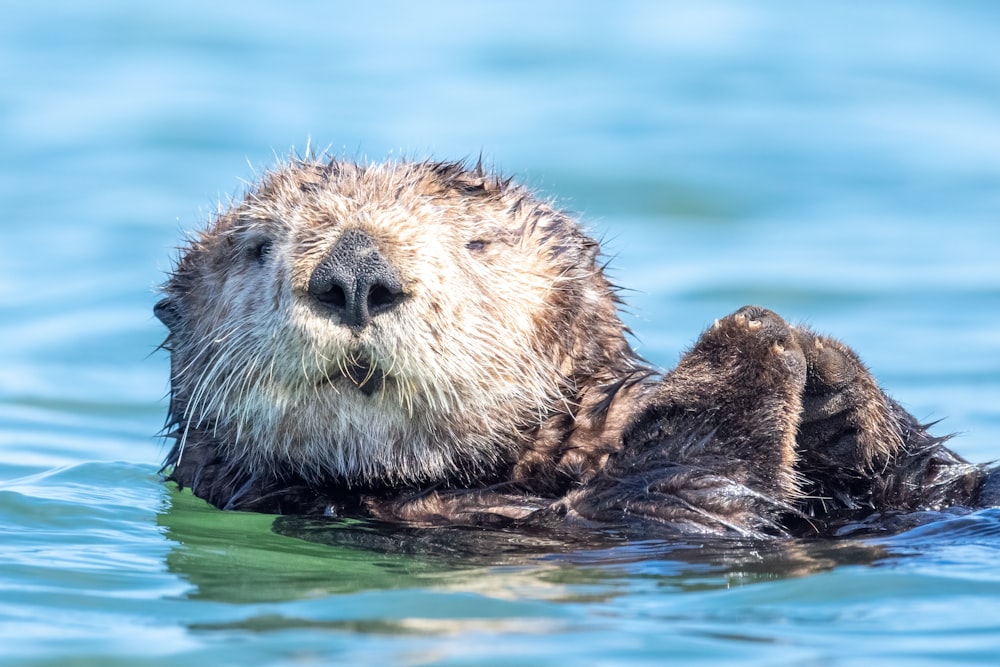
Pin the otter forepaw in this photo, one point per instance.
(744, 379)
(831, 365)
(847, 421)
(757, 338)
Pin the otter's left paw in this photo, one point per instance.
(847, 421)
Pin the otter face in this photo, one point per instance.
(399, 322)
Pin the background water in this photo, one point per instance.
(838, 162)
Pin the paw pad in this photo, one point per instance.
(761, 324)
(756, 336)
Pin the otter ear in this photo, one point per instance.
(166, 311)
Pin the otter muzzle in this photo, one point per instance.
(355, 281)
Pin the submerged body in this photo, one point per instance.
(426, 343)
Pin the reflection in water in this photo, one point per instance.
(341, 581)
(236, 557)
(245, 558)
(419, 627)
(590, 557)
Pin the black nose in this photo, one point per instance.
(355, 281)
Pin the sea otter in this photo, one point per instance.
(428, 342)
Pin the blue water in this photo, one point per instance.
(837, 162)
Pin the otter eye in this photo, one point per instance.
(477, 245)
(260, 248)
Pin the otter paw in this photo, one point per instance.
(756, 337)
(847, 421)
(831, 366)
(744, 379)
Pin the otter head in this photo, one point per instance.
(390, 323)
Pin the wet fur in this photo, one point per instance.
(502, 390)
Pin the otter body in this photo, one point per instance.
(427, 343)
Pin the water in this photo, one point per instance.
(838, 162)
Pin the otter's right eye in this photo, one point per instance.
(477, 245)
(260, 249)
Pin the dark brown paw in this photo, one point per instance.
(746, 374)
(847, 421)
(831, 366)
(758, 340)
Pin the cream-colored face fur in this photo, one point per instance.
(476, 355)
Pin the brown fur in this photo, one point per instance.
(422, 342)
